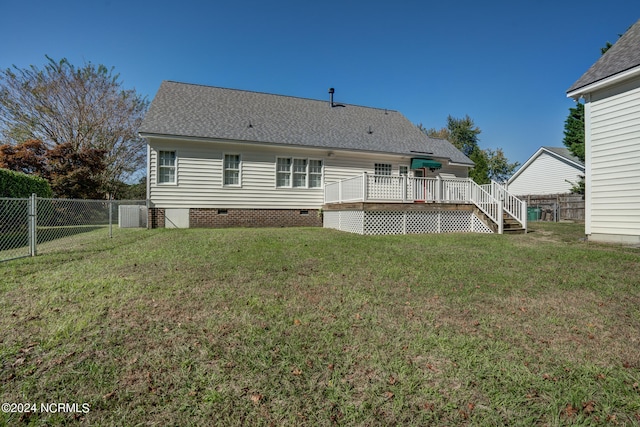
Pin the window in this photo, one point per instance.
(315, 173)
(298, 173)
(404, 170)
(231, 169)
(382, 169)
(283, 172)
(167, 167)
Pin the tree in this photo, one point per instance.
(574, 131)
(136, 191)
(75, 173)
(463, 134)
(442, 133)
(28, 157)
(86, 107)
(71, 173)
(499, 168)
(480, 172)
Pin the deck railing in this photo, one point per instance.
(368, 187)
(492, 199)
(515, 207)
(491, 206)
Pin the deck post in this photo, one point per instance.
(364, 186)
(404, 189)
(500, 216)
(438, 189)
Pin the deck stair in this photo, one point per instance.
(510, 225)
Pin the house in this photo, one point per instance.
(224, 158)
(551, 170)
(611, 92)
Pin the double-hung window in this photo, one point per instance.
(231, 170)
(283, 172)
(298, 173)
(315, 173)
(166, 167)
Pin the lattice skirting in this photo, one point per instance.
(362, 222)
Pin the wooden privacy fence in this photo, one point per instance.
(555, 207)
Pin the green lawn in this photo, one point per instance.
(318, 327)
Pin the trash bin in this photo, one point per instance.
(533, 213)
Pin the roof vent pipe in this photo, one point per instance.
(331, 92)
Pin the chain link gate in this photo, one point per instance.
(37, 225)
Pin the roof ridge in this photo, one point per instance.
(278, 95)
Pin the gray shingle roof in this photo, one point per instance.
(564, 152)
(622, 56)
(181, 109)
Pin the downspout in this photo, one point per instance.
(148, 172)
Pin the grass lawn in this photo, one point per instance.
(319, 327)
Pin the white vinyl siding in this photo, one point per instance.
(614, 180)
(200, 176)
(546, 174)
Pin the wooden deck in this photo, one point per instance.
(397, 206)
(492, 207)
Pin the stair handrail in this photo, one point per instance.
(491, 206)
(514, 206)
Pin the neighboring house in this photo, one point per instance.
(551, 170)
(223, 157)
(611, 92)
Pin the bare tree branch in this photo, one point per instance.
(86, 107)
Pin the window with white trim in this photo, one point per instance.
(382, 169)
(231, 170)
(166, 167)
(298, 173)
(283, 172)
(315, 173)
(403, 170)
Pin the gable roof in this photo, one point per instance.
(560, 153)
(189, 110)
(623, 56)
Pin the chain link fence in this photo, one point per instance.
(35, 225)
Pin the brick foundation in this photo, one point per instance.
(155, 218)
(221, 218)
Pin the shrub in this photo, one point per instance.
(16, 184)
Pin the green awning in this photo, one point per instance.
(425, 163)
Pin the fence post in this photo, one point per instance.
(110, 218)
(33, 223)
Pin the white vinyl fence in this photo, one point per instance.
(36, 225)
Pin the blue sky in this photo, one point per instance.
(506, 64)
